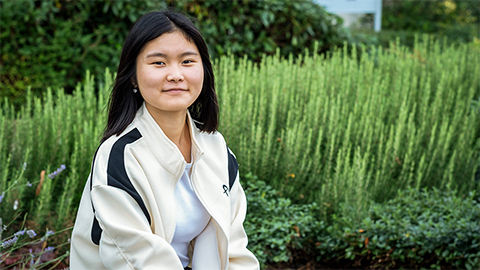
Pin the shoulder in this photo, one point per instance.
(110, 155)
(117, 143)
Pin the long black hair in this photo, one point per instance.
(124, 103)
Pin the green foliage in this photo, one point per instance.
(428, 16)
(60, 129)
(52, 43)
(427, 228)
(275, 224)
(23, 249)
(254, 28)
(455, 20)
(331, 130)
(11, 191)
(342, 129)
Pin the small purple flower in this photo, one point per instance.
(47, 234)
(32, 262)
(29, 184)
(49, 249)
(22, 232)
(1, 196)
(57, 172)
(10, 242)
(31, 233)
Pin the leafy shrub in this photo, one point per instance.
(418, 229)
(428, 16)
(275, 224)
(52, 43)
(60, 129)
(455, 20)
(342, 129)
(254, 28)
(427, 228)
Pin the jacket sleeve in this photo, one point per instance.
(239, 256)
(126, 239)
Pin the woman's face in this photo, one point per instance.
(169, 73)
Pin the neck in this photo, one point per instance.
(175, 127)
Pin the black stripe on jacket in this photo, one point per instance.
(232, 169)
(117, 177)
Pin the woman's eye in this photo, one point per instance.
(159, 63)
(187, 61)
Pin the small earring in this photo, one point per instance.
(135, 90)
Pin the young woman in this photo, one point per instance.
(163, 192)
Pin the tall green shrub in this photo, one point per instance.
(49, 132)
(340, 130)
(326, 130)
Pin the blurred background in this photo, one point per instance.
(51, 43)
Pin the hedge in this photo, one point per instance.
(430, 229)
(52, 43)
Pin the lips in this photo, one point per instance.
(173, 90)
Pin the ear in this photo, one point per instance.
(133, 80)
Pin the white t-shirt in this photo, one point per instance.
(192, 217)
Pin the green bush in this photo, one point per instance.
(255, 28)
(46, 133)
(455, 20)
(52, 43)
(429, 16)
(342, 129)
(275, 224)
(427, 229)
(430, 229)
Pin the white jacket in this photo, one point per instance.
(126, 218)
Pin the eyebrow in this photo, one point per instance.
(159, 54)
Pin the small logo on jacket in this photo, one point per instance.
(225, 190)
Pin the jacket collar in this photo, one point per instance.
(162, 148)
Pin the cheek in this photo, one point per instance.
(148, 78)
(198, 78)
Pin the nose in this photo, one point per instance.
(175, 74)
